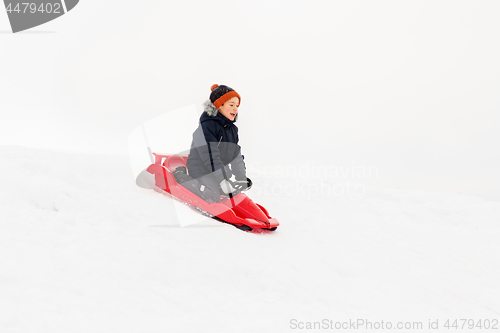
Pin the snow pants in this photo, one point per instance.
(205, 187)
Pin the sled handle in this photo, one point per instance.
(159, 157)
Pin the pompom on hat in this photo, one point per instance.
(221, 94)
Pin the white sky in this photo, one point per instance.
(411, 87)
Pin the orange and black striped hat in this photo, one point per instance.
(221, 94)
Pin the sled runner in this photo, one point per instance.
(238, 210)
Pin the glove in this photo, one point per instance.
(243, 185)
(227, 186)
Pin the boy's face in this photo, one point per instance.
(230, 108)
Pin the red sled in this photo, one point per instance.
(238, 210)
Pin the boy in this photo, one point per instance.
(214, 148)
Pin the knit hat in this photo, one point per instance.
(221, 94)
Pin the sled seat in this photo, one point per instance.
(171, 162)
(174, 161)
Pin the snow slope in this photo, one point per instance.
(82, 249)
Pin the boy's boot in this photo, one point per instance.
(180, 174)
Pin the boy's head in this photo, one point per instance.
(230, 108)
(221, 94)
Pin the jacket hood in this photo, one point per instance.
(210, 109)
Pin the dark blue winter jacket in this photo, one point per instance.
(215, 146)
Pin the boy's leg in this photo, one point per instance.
(205, 187)
(209, 188)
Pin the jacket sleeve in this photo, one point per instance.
(238, 168)
(238, 164)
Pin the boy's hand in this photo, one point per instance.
(227, 186)
(243, 185)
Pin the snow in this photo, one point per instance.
(85, 250)
(352, 113)
(408, 86)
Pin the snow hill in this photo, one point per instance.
(82, 249)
